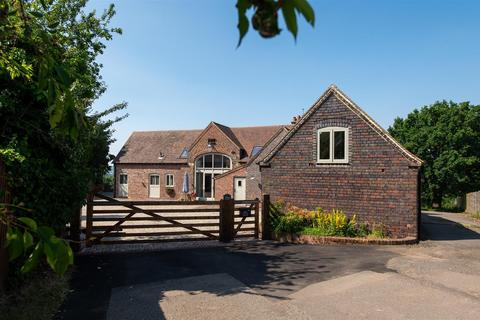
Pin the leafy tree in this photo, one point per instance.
(265, 17)
(446, 135)
(54, 147)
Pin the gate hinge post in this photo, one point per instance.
(227, 208)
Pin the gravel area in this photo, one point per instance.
(149, 247)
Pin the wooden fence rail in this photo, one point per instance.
(114, 221)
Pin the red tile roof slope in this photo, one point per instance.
(146, 146)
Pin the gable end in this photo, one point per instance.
(333, 90)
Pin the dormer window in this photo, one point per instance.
(184, 154)
(255, 151)
(212, 142)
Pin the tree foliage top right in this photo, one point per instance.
(446, 135)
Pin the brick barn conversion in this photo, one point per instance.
(153, 164)
(334, 156)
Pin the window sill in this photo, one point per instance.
(331, 164)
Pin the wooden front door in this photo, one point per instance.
(154, 189)
(123, 186)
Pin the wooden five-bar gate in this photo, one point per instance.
(114, 221)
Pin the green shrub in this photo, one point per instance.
(108, 182)
(362, 230)
(379, 231)
(294, 220)
(289, 223)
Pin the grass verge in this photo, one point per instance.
(37, 296)
(475, 215)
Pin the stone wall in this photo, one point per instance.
(377, 185)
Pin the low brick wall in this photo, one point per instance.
(473, 202)
(307, 239)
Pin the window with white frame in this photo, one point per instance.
(332, 145)
(123, 178)
(169, 180)
(154, 180)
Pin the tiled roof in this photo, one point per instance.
(250, 137)
(149, 146)
(146, 146)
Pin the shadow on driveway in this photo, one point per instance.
(273, 270)
(437, 228)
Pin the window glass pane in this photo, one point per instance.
(208, 161)
(255, 150)
(154, 180)
(184, 153)
(217, 161)
(324, 145)
(208, 185)
(169, 179)
(123, 179)
(226, 162)
(339, 145)
(199, 184)
(199, 163)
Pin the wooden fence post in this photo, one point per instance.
(266, 232)
(227, 220)
(75, 230)
(88, 231)
(257, 205)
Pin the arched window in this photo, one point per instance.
(207, 167)
(213, 161)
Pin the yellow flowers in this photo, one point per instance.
(288, 219)
(335, 222)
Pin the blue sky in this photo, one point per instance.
(177, 65)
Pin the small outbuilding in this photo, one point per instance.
(337, 157)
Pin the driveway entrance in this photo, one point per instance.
(439, 278)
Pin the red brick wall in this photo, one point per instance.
(223, 145)
(377, 185)
(138, 174)
(254, 177)
(224, 184)
(139, 179)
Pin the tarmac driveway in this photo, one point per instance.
(440, 278)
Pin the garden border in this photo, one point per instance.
(325, 240)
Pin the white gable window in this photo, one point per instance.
(169, 180)
(332, 145)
